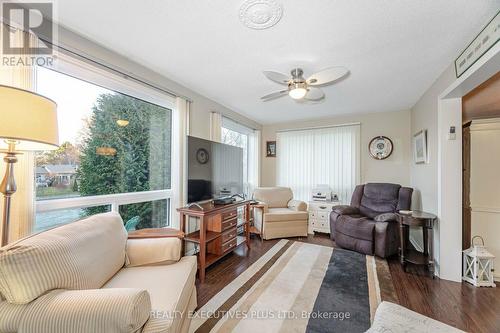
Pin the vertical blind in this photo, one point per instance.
(310, 157)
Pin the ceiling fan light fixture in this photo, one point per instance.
(301, 89)
(297, 90)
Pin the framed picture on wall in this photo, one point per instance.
(270, 148)
(420, 147)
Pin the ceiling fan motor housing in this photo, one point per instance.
(297, 81)
(297, 85)
(297, 74)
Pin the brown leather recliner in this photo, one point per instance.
(369, 225)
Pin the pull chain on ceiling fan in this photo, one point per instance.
(301, 89)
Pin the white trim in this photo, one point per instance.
(318, 127)
(114, 200)
(180, 129)
(485, 67)
(449, 228)
(492, 124)
(236, 126)
(482, 209)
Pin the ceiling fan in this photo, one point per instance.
(301, 89)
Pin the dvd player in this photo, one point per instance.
(224, 201)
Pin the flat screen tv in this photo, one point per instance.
(214, 170)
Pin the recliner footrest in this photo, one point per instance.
(355, 234)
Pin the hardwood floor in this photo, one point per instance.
(457, 304)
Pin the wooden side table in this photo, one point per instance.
(426, 222)
(218, 233)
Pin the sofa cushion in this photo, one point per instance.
(10, 316)
(284, 215)
(122, 310)
(387, 217)
(275, 197)
(169, 286)
(81, 255)
(159, 324)
(359, 228)
(379, 198)
(153, 251)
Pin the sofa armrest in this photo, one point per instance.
(345, 210)
(93, 310)
(386, 217)
(262, 206)
(297, 205)
(152, 251)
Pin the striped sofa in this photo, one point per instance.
(87, 277)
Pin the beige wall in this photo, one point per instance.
(395, 125)
(424, 116)
(424, 177)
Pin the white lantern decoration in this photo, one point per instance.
(478, 265)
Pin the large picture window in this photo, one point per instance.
(115, 154)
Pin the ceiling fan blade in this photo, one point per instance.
(274, 95)
(327, 76)
(277, 77)
(314, 94)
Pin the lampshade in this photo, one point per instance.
(28, 118)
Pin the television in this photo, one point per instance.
(215, 170)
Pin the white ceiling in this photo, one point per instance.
(394, 49)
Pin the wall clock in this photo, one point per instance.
(202, 156)
(380, 147)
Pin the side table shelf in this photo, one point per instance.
(425, 221)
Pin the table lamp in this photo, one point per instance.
(28, 122)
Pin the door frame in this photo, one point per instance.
(450, 162)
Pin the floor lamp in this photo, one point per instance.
(28, 122)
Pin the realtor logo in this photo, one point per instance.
(34, 46)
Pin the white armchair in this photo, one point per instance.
(278, 215)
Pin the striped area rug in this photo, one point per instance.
(300, 287)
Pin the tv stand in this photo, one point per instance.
(218, 233)
(195, 204)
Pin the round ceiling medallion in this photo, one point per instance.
(260, 14)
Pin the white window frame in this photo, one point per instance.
(78, 69)
(234, 126)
